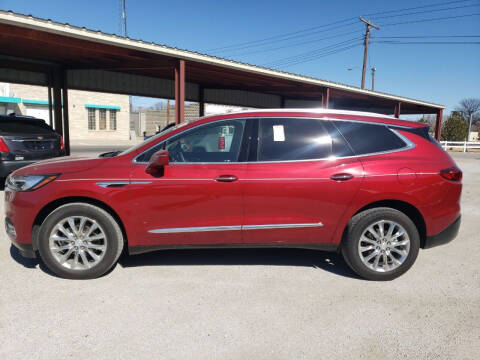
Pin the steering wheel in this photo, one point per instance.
(177, 153)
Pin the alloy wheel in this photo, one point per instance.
(384, 246)
(78, 242)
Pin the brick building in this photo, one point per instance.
(94, 117)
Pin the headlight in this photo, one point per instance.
(28, 182)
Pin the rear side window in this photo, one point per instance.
(283, 139)
(369, 138)
(24, 127)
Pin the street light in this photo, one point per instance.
(373, 77)
(373, 74)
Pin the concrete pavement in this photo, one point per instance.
(250, 304)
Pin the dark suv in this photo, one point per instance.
(24, 140)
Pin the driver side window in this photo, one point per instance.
(215, 142)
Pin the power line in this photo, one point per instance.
(428, 42)
(310, 31)
(310, 54)
(300, 43)
(314, 53)
(426, 11)
(429, 19)
(425, 36)
(353, 22)
(283, 35)
(418, 7)
(336, 51)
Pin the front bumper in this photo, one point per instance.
(26, 250)
(443, 237)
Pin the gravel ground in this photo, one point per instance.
(250, 304)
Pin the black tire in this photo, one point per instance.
(359, 223)
(113, 239)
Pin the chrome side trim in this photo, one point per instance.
(138, 182)
(195, 229)
(112, 184)
(23, 140)
(233, 228)
(281, 226)
(106, 184)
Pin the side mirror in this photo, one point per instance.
(157, 162)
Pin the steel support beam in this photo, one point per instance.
(180, 91)
(50, 102)
(398, 109)
(438, 124)
(201, 100)
(326, 98)
(57, 101)
(66, 128)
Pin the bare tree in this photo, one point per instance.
(469, 106)
(470, 109)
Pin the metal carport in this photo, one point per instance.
(43, 52)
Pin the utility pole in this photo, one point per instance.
(124, 17)
(365, 52)
(168, 112)
(469, 126)
(373, 77)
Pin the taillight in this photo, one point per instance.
(3, 146)
(62, 144)
(452, 174)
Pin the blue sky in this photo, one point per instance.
(441, 73)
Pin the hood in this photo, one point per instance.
(62, 165)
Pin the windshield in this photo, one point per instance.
(155, 137)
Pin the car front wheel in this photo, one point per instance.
(80, 241)
(381, 243)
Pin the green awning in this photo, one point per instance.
(9, 99)
(35, 102)
(110, 107)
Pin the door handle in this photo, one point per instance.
(226, 178)
(341, 177)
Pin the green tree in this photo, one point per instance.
(455, 128)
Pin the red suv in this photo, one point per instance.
(374, 188)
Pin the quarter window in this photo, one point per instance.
(91, 119)
(369, 138)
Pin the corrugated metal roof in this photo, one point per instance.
(65, 29)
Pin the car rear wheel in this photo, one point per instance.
(80, 241)
(381, 243)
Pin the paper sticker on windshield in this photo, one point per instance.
(278, 133)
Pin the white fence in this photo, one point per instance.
(465, 145)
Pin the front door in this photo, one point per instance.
(300, 182)
(198, 200)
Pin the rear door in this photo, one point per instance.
(29, 139)
(299, 182)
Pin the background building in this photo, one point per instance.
(149, 121)
(94, 117)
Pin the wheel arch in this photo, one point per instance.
(408, 209)
(48, 208)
